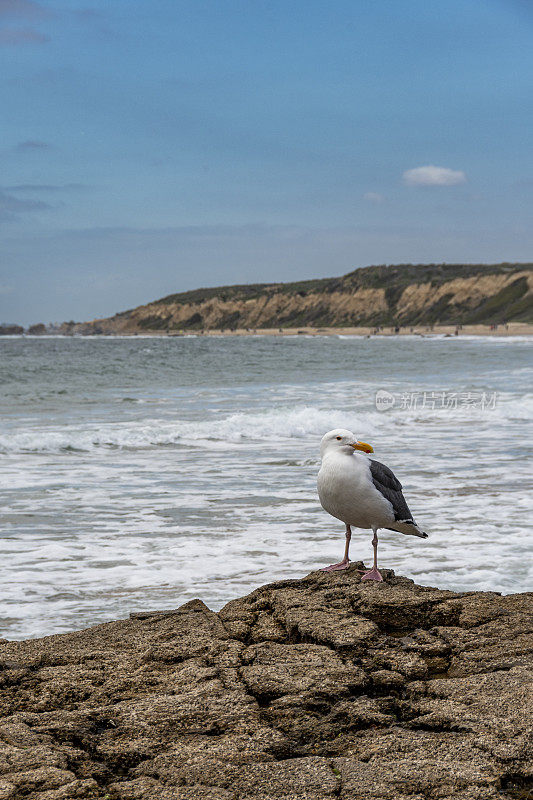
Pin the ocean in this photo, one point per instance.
(139, 473)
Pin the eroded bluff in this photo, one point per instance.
(316, 688)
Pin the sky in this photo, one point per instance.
(153, 146)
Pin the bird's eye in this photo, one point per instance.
(339, 438)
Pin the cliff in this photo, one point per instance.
(308, 689)
(384, 295)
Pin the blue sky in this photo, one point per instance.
(152, 147)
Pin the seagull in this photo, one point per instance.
(361, 492)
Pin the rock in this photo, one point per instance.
(11, 330)
(308, 689)
(38, 329)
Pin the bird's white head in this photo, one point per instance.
(343, 441)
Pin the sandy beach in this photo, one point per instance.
(510, 329)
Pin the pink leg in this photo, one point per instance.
(345, 563)
(373, 574)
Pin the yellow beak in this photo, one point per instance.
(366, 448)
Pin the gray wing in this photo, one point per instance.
(390, 487)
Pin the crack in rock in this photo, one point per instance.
(305, 689)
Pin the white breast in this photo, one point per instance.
(346, 491)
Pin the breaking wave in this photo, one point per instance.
(280, 423)
(247, 427)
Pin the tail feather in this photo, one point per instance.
(409, 527)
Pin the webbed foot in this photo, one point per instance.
(344, 564)
(372, 575)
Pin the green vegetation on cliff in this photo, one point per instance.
(394, 278)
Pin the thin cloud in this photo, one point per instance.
(23, 8)
(374, 197)
(11, 207)
(16, 36)
(89, 13)
(94, 19)
(31, 144)
(433, 176)
(46, 187)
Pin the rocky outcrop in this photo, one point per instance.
(394, 295)
(308, 689)
(11, 330)
(39, 329)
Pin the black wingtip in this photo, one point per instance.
(424, 535)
